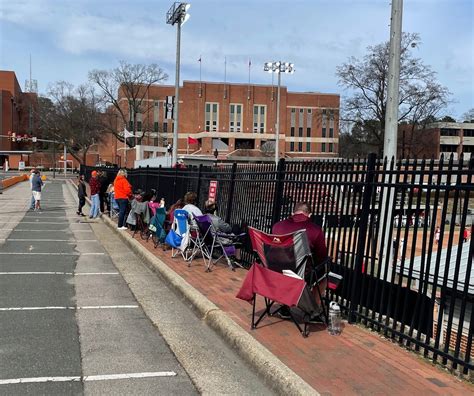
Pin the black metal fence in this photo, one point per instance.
(395, 231)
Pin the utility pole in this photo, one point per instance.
(277, 135)
(391, 132)
(176, 96)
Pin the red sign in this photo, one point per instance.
(213, 190)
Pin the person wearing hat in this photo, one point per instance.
(94, 184)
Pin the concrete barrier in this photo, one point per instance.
(5, 183)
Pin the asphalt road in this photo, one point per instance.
(75, 309)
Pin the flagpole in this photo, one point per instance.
(200, 75)
(225, 77)
(248, 93)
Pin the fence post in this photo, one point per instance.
(231, 193)
(146, 178)
(198, 188)
(279, 183)
(362, 236)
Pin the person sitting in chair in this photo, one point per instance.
(301, 220)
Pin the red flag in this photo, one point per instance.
(192, 140)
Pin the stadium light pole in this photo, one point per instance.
(177, 15)
(278, 67)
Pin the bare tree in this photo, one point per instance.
(71, 116)
(421, 96)
(125, 89)
(468, 116)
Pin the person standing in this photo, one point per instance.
(122, 191)
(32, 201)
(94, 184)
(81, 194)
(437, 235)
(104, 184)
(36, 187)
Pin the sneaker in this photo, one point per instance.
(316, 319)
(122, 228)
(284, 312)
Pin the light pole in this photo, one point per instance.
(278, 67)
(177, 15)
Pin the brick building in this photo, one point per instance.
(437, 138)
(17, 111)
(237, 118)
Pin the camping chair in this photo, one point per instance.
(156, 227)
(114, 208)
(181, 228)
(279, 276)
(209, 241)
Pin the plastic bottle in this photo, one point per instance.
(334, 327)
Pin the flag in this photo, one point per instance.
(192, 140)
(127, 134)
(250, 62)
(199, 60)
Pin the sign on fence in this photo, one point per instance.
(213, 190)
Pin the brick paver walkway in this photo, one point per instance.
(356, 362)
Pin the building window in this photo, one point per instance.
(292, 146)
(300, 147)
(469, 132)
(130, 126)
(331, 147)
(235, 118)
(139, 125)
(300, 118)
(155, 127)
(165, 127)
(293, 118)
(309, 118)
(292, 131)
(300, 131)
(308, 147)
(323, 147)
(324, 132)
(324, 112)
(259, 118)
(448, 148)
(155, 141)
(308, 132)
(156, 103)
(211, 118)
(331, 132)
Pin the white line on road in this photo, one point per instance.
(87, 378)
(59, 273)
(51, 254)
(69, 308)
(47, 240)
(62, 231)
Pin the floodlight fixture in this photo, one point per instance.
(278, 67)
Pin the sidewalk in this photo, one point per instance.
(357, 362)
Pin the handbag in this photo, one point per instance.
(173, 239)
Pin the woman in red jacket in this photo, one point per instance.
(123, 191)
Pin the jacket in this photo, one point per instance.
(122, 188)
(81, 190)
(36, 183)
(94, 184)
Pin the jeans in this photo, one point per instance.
(94, 212)
(122, 203)
(32, 202)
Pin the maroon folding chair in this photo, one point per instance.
(278, 275)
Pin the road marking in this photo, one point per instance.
(69, 308)
(47, 240)
(62, 231)
(51, 254)
(88, 378)
(39, 222)
(58, 273)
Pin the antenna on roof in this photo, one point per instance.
(31, 85)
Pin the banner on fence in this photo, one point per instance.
(213, 190)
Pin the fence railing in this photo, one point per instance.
(394, 229)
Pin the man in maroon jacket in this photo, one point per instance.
(301, 220)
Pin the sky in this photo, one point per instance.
(66, 39)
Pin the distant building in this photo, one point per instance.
(437, 138)
(238, 118)
(17, 116)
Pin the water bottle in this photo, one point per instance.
(334, 327)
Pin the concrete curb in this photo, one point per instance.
(276, 374)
